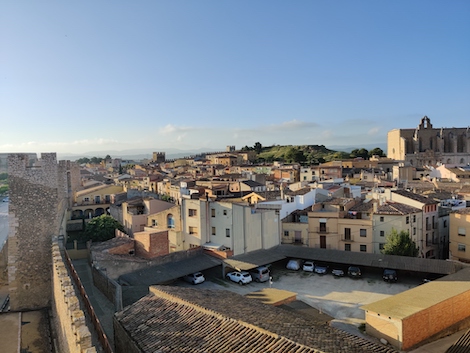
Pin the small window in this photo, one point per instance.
(286, 233)
(192, 230)
(363, 248)
(382, 233)
(363, 232)
(170, 221)
(86, 199)
(414, 230)
(381, 246)
(461, 247)
(192, 212)
(212, 212)
(347, 247)
(407, 219)
(462, 232)
(381, 218)
(347, 233)
(414, 218)
(154, 222)
(213, 230)
(225, 212)
(227, 232)
(445, 223)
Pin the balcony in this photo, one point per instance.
(322, 230)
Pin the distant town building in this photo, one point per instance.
(158, 157)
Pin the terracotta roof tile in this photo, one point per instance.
(192, 320)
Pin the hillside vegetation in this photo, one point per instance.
(307, 154)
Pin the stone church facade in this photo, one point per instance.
(426, 145)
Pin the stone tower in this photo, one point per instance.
(159, 157)
(39, 197)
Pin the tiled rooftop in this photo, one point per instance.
(413, 196)
(192, 320)
(395, 208)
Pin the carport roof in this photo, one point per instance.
(371, 260)
(254, 259)
(414, 300)
(170, 271)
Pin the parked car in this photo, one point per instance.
(260, 274)
(390, 275)
(321, 269)
(194, 278)
(294, 264)
(241, 278)
(354, 272)
(6, 199)
(337, 272)
(308, 266)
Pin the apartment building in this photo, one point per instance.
(459, 247)
(341, 224)
(398, 216)
(234, 226)
(169, 219)
(429, 241)
(135, 213)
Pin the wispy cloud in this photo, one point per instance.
(373, 131)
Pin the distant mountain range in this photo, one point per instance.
(135, 154)
(173, 153)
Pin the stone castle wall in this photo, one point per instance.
(39, 197)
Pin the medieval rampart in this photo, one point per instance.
(72, 332)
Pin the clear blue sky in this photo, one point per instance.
(80, 76)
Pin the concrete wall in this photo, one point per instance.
(384, 327)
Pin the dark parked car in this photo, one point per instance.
(354, 272)
(390, 275)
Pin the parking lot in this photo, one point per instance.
(338, 297)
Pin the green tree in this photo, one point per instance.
(102, 228)
(3, 176)
(83, 160)
(96, 160)
(258, 147)
(376, 152)
(3, 189)
(400, 243)
(360, 153)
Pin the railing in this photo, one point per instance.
(343, 238)
(91, 312)
(323, 230)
